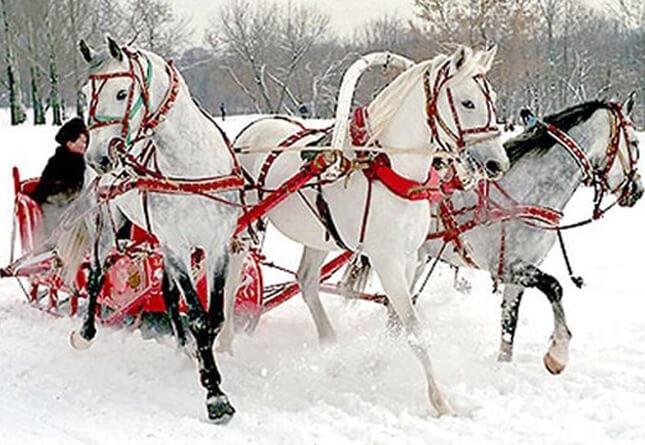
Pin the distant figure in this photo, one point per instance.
(304, 111)
(222, 110)
(528, 118)
(62, 179)
(509, 125)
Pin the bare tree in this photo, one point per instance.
(273, 44)
(18, 115)
(153, 26)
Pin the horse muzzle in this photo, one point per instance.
(632, 192)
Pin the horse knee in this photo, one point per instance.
(527, 275)
(550, 287)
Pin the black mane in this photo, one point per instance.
(537, 140)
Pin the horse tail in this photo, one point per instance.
(355, 276)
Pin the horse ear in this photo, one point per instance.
(628, 106)
(115, 49)
(461, 56)
(88, 53)
(488, 56)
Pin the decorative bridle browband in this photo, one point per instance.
(598, 176)
(461, 138)
(140, 77)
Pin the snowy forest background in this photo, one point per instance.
(264, 57)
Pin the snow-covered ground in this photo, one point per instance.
(366, 389)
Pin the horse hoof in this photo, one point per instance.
(552, 365)
(78, 342)
(220, 410)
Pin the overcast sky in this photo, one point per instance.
(345, 14)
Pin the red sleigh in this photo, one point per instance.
(133, 282)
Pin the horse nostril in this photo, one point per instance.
(493, 168)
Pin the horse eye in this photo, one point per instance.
(468, 104)
(121, 95)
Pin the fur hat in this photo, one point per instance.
(71, 130)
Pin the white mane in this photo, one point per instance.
(387, 102)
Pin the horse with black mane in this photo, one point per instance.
(508, 226)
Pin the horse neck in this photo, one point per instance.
(188, 143)
(555, 176)
(398, 121)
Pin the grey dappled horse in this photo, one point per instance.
(544, 174)
(145, 126)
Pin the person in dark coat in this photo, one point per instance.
(62, 178)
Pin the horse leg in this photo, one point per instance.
(557, 356)
(394, 278)
(83, 339)
(510, 309)
(233, 280)
(170, 294)
(308, 276)
(205, 325)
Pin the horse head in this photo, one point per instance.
(126, 102)
(618, 168)
(451, 111)
(465, 119)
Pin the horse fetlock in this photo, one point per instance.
(220, 410)
(79, 342)
(210, 379)
(440, 403)
(557, 356)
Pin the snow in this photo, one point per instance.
(366, 389)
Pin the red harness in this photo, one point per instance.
(487, 211)
(598, 176)
(433, 189)
(436, 121)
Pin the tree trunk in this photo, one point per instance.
(80, 97)
(55, 102)
(18, 115)
(36, 99)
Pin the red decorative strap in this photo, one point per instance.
(358, 127)
(432, 190)
(168, 185)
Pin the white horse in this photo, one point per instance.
(592, 144)
(444, 103)
(169, 169)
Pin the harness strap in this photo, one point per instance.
(574, 149)
(366, 212)
(327, 221)
(502, 252)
